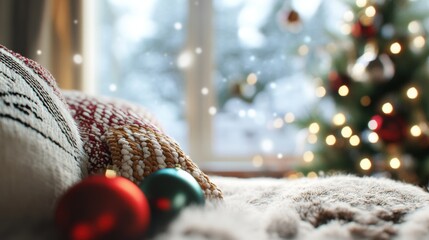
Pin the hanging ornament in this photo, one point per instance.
(103, 208)
(368, 23)
(290, 20)
(337, 80)
(169, 191)
(373, 67)
(391, 128)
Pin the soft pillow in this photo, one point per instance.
(41, 152)
(121, 136)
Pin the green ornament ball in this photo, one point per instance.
(169, 191)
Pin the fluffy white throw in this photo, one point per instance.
(339, 207)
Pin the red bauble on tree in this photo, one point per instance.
(103, 208)
(360, 30)
(391, 128)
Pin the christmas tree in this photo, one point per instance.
(377, 82)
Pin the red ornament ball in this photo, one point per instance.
(99, 207)
(391, 128)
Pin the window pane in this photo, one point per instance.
(267, 53)
(138, 44)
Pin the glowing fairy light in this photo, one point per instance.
(346, 132)
(414, 27)
(77, 58)
(387, 108)
(419, 42)
(373, 137)
(308, 156)
(415, 131)
(343, 91)
(412, 93)
(339, 119)
(330, 140)
(212, 110)
(395, 163)
(278, 123)
(314, 128)
(395, 48)
(354, 140)
(348, 16)
(204, 91)
(361, 3)
(289, 117)
(365, 164)
(370, 11)
(320, 91)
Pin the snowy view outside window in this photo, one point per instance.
(265, 63)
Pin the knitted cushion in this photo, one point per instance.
(124, 137)
(41, 152)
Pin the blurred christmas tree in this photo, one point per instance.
(378, 81)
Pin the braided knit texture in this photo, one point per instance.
(119, 135)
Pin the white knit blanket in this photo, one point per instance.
(340, 207)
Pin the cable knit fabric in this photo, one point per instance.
(41, 151)
(124, 137)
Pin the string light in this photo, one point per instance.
(212, 110)
(346, 29)
(373, 124)
(308, 156)
(354, 140)
(252, 79)
(339, 119)
(414, 27)
(77, 58)
(419, 42)
(278, 123)
(415, 131)
(412, 93)
(395, 163)
(370, 11)
(204, 91)
(361, 3)
(289, 117)
(343, 91)
(330, 140)
(346, 132)
(373, 137)
(348, 16)
(314, 128)
(387, 108)
(395, 48)
(320, 91)
(365, 164)
(110, 173)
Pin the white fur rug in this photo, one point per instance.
(341, 207)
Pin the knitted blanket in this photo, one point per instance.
(339, 207)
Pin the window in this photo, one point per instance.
(226, 78)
